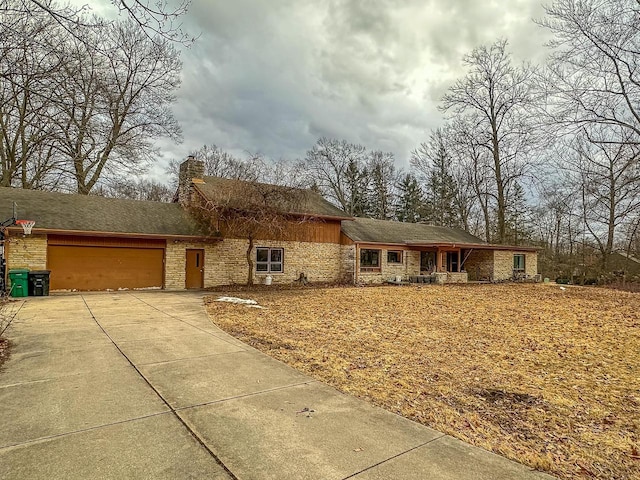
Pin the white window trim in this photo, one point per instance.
(269, 262)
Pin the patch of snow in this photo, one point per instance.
(243, 301)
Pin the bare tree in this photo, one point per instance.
(495, 97)
(333, 166)
(608, 179)
(142, 189)
(76, 110)
(116, 103)
(158, 19)
(252, 210)
(592, 74)
(28, 100)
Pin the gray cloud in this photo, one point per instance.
(272, 77)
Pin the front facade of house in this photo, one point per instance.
(95, 243)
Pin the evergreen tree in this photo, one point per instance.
(410, 201)
(356, 188)
(441, 194)
(382, 179)
(518, 217)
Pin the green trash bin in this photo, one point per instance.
(19, 279)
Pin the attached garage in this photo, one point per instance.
(90, 242)
(95, 263)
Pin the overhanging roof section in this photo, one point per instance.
(238, 194)
(368, 230)
(86, 214)
(417, 235)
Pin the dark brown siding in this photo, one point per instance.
(344, 240)
(316, 231)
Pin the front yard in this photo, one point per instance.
(549, 377)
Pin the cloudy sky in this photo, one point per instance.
(274, 76)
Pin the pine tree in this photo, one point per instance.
(382, 179)
(441, 186)
(355, 180)
(410, 201)
(518, 216)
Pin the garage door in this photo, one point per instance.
(102, 264)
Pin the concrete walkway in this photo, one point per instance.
(144, 385)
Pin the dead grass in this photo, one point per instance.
(544, 376)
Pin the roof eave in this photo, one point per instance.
(89, 233)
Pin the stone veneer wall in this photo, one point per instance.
(410, 266)
(531, 264)
(457, 277)
(320, 262)
(347, 263)
(226, 262)
(503, 264)
(29, 252)
(479, 265)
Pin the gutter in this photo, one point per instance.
(90, 233)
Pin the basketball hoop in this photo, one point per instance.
(26, 225)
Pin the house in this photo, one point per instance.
(96, 243)
(381, 250)
(620, 261)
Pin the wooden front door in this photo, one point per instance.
(194, 277)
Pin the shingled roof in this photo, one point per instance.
(368, 230)
(88, 213)
(237, 193)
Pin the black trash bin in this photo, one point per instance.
(39, 283)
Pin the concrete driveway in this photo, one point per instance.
(144, 385)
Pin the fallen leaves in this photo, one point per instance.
(547, 377)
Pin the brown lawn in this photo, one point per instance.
(544, 376)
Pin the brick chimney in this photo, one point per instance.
(190, 170)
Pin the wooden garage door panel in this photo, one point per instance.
(102, 268)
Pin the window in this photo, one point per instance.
(427, 262)
(369, 260)
(452, 261)
(269, 260)
(518, 262)
(394, 256)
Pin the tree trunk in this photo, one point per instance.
(499, 185)
(250, 262)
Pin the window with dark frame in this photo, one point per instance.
(452, 259)
(269, 260)
(369, 260)
(518, 262)
(394, 256)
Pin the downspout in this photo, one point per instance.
(356, 262)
